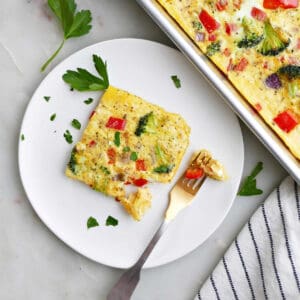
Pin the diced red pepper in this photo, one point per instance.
(92, 143)
(194, 173)
(230, 28)
(221, 5)
(226, 52)
(111, 153)
(258, 14)
(241, 66)
(273, 4)
(286, 121)
(257, 107)
(208, 21)
(140, 165)
(116, 123)
(265, 65)
(212, 37)
(91, 115)
(140, 182)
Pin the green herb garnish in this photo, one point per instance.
(133, 156)
(52, 117)
(126, 149)
(76, 124)
(88, 101)
(92, 222)
(117, 140)
(249, 185)
(213, 48)
(160, 154)
(73, 162)
(197, 25)
(111, 221)
(47, 98)
(68, 137)
(176, 81)
(105, 170)
(22, 137)
(164, 169)
(82, 80)
(74, 24)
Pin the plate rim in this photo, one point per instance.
(52, 230)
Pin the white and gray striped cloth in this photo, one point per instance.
(263, 262)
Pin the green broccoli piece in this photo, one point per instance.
(164, 169)
(251, 38)
(274, 42)
(147, 124)
(73, 162)
(290, 72)
(213, 48)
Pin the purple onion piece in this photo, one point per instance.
(273, 81)
(200, 37)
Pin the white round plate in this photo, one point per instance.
(143, 68)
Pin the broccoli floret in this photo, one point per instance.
(273, 42)
(72, 162)
(290, 71)
(164, 169)
(147, 124)
(251, 37)
(213, 48)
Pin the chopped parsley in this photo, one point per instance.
(249, 185)
(104, 170)
(91, 222)
(164, 169)
(22, 137)
(111, 221)
(117, 140)
(133, 156)
(88, 101)
(213, 48)
(126, 149)
(47, 98)
(176, 81)
(197, 25)
(52, 117)
(68, 137)
(76, 124)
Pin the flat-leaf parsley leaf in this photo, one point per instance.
(176, 81)
(68, 137)
(82, 80)
(88, 101)
(249, 185)
(74, 24)
(92, 222)
(76, 124)
(52, 117)
(111, 221)
(117, 140)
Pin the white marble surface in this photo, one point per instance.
(34, 264)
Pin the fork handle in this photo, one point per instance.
(129, 280)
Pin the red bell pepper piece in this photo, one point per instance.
(258, 107)
(286, 121)
(194, 173)
(111, 153)
(140, 182)
(212, 37)
(258, 14)
(230, 28)
(140, 165)
(92, 143)
(227, 52)
(116, 123)
(273, 4)
(208, 21)
(221, 5)
(241, 66)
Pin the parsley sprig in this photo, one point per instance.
(82, 80)
(249, 185)
(74, 23)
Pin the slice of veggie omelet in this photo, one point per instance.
(129, 141)
(257, 45)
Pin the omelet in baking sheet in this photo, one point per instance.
(129, 141)
(257, 45)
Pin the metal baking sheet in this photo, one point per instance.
(220, 83)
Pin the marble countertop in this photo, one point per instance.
(34, 263)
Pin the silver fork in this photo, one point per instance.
(180, 197)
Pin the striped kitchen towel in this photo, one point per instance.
(263, 262)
